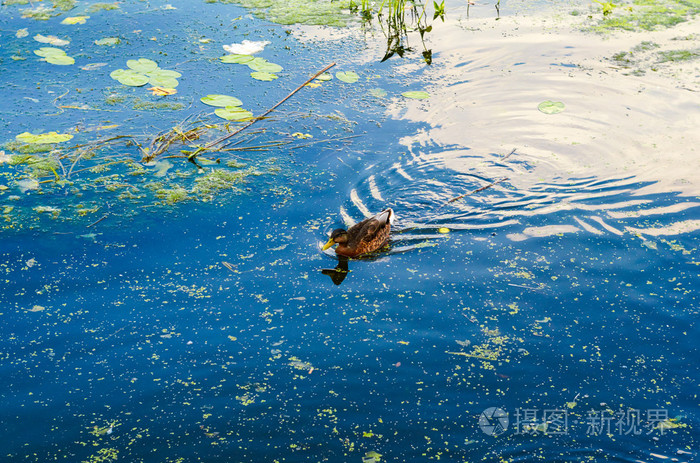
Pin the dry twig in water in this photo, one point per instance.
(192, 156)
(477, 190)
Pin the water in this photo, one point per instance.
(206, 331)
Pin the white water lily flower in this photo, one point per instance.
(247, 47)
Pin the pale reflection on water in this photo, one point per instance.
(614, 126)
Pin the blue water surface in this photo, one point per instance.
(206, 330)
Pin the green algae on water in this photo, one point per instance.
(172, 196)
(143, 105)
(678, 55)
(27, 148)
(648, 15)
(40, 13)
(309, 12)
(95, 7)
(64, 5)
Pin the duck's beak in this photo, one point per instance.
(328, 244)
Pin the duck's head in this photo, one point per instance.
(338, 236)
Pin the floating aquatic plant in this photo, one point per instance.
(233, 113)
(263, 69)
(108, 41)
(236, 59)
(71, 20)
(551, 107)
(129, 77)
(221, 100)
(42, 138)
(54, 56)
(51, 40)
(143, 71)
(264, 76)
(228, 107)
(416, 94)
(349, 77)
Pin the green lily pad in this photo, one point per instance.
(45, 52)
(160, 81)
(142, 65)
(75, 20)
(416, 94)
(233, 113)
(264, 66)
(51, 39)
(108, 41)
(133, 80)
(117, 73)
(377, 92)
(349, 77)
(264, 76)
(236, 59)
(62, 60)
(325, 77)
(43, 138)
(163, 73)
(256, 61)
(551, 107)
(221, 100)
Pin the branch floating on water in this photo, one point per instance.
(191, 157)
(479, 189)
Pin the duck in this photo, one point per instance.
(364, 237)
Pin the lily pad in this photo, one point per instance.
(142, 65)
(108, 41)
(349, 77)
(551, 107)
(264, 66)
(377, 92)
(62, 60)
(325, 77)
(52, 39)
(45, 52)
(43, 138)
(117, 73)
(221, 100)
(233, 113)
(75, 20)
(133, 80)
(236, 59)
(162, 81)
(163, 73)
(416, 94)
(256, 61)
(264, 76)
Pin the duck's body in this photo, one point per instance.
(367, 236)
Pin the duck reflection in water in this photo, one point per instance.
(340, 271)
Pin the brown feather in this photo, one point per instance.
(367, 236)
